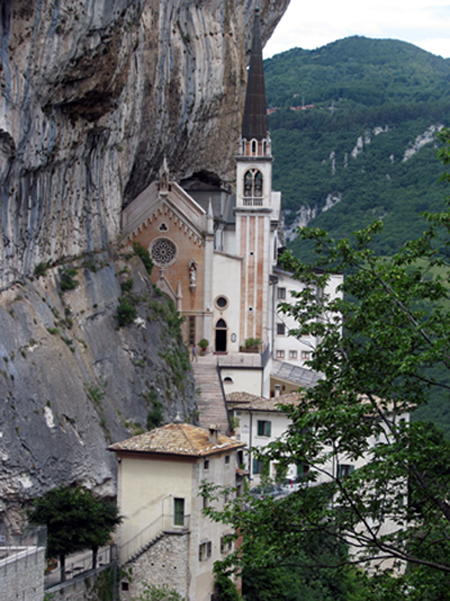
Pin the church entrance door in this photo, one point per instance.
(221, 336)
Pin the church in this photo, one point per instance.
(215, 254)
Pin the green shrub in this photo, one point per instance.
(203, 344)
(67, 279)
(155, 416)
(143, 254)
(41, 269)
(126, 311)
(127, 285)
(252, 343)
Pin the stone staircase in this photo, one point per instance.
(211, 402)
(142, 549)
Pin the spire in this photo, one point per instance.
(255, 112)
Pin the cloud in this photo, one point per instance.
(312, 24)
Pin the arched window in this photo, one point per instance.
(253, 186)
(254, 147)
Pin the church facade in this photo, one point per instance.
(215, 253)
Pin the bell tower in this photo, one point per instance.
(254, 201)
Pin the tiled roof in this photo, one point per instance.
(246, 401)
(177, 439)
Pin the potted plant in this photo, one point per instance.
(203, 344)
(252, 345)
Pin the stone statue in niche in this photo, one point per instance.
(192, 275)
(164, 178)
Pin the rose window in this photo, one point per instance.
(163, 252)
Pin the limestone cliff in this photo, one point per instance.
(93, 94)
(72, 381)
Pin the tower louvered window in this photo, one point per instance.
(253, 188)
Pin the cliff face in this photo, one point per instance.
(72, 381)
(94, 94)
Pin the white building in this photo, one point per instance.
(165, 538)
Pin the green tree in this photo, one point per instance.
(76, 520)
(379, 348)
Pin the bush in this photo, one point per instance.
(155, 416)
(126, 312)
(203, 344)
(41, 269)
(252, 343)
(68, 281)
(144, 255)
(127, 285)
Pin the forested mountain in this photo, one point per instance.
(364, 146)
(360, 144)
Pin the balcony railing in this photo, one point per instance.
(162, 524)
(251, 201)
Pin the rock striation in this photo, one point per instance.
(93, 94)
(72, 382)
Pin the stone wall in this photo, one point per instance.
(96, 586)
(165, 563)
(22, 575)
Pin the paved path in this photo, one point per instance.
(211, 404)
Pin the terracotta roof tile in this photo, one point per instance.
(177, 439)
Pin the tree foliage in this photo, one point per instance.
(381, 345)
(76, 520)
(381, 94)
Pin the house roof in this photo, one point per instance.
(245, 401)
(177, 439)
(294, 373)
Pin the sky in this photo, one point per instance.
(310, 24)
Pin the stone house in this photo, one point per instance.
(165, 538)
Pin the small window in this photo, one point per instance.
(221, 302)
(125, 586)
(264, 428)
(306, 354)
(258, 466)
(344, 470)
(226, 543)
(292, 354)
(280, 354)
(206, 464)
(302, 469)
(282, 293)
(281, 329)
(228, 380)
(191, 330)
(204, 551)
(178, 512)
(227, 460)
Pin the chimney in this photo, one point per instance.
(214, 430)
(277, 390)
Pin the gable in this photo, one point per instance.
(176, 204)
